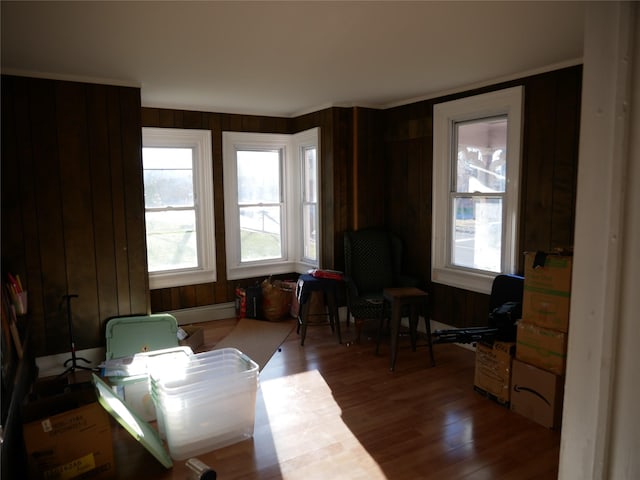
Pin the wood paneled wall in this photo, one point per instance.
(72, 206)
(335, 149)
(549, 176)
(72, 193)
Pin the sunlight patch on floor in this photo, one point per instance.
(322, 446)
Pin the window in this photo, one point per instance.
(476, 161)
(309, 154)
(271, 202)
(178, 197)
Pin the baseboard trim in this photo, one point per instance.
(52, 365)
(218, 311)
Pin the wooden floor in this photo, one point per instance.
(331, 411)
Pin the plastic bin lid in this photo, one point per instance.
(127, 336)
(138, 428)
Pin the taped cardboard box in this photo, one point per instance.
(493, 370)
(541, 347)
(68, 436)
(194, 338)
(547, 290)
(537, 394)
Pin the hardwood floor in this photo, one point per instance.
(330, 411)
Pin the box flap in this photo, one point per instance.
(138, 428)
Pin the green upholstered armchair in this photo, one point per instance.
(373, 262)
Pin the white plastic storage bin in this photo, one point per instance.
(207, 403)
(130, 377)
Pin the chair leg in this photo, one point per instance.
(413, 327)
(334, 314)
(303, 321)
(427, 323)
(379, 334)
(358, 323)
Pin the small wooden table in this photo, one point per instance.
(415, 299)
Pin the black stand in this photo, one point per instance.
(74, 359)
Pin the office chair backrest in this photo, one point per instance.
(506, 288)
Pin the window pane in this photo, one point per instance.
(168, 177)
(171, 240)
(260, 237)
(258, 176)
(309, 227)
(477, 233)
(310, 175)
(481, 147)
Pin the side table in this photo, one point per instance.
(305, 286)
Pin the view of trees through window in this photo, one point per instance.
(170, 209)
(260, 204)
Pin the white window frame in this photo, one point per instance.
(200, 142)
(292, 237)
(507, 102)
(301, 142)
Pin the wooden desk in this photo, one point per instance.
(415, 299)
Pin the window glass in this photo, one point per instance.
(168, 177)
(481, 147)
(171, 240)
(476, 170)
(479, 183)
(178, 196)
(258, 176)
(259, 201)
(271, 202)
(477, 233)
(310, 203)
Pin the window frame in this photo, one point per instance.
(507, 102)
(291, 216)
(303, 141)
(200, 142)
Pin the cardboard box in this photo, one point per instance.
(541, 347)
(65, 437)
(195, 337)
(547, 290)
(537, 394)
(493, 370)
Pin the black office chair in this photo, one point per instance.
(505, 308)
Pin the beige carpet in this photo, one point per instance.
(258, 339)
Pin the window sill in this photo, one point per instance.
(267, 269)
(464, 279)
(168, 280)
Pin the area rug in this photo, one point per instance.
(258, 339)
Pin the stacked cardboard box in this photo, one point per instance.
(67, 434)
(541, 345)
(493, 370)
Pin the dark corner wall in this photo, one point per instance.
(548, 179)
(72, 200)
(72, 206)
